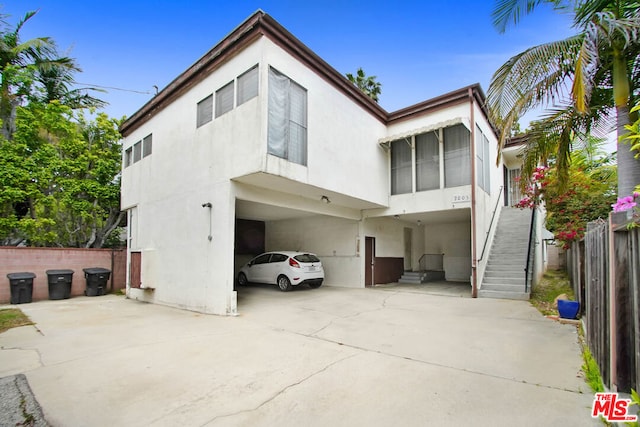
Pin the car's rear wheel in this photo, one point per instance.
(242, 279)
(284, 284)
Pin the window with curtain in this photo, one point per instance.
(224, 99)
(248, 85)
(287, 127)
(205, 111)
(400, 167)
(427, 162)
(479, 159)
(457, 156)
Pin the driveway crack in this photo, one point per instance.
(383, 305)
(282, 390)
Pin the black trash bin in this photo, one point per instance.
(59, 283)
(97, 278)
(21, 287)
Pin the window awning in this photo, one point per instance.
(384, 142)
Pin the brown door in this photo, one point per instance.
(134, 269)
(369, 260)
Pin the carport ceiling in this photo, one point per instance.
(263, 212)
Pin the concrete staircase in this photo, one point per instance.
(421, 276)
(504, 275)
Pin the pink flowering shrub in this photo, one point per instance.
(571, 206)
(625, 203)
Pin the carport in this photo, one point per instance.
(275, 213)
(433, 242)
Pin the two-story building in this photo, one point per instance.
(261, 145)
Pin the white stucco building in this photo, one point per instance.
(261, 145)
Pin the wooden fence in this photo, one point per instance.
(604, 270)
(39, 260)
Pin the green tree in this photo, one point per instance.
(367, 84)
(32, 70)
(601, 65)
(588, 193)
(62, 183)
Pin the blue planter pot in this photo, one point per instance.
(568, 309)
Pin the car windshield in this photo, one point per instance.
(306, 258)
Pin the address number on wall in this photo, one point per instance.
(461, 198)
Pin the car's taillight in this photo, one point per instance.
(293, 263)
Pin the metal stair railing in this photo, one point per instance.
(486, 238)
(529, 266)
(433, 262)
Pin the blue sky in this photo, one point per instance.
(417, 49)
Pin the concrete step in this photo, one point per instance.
(497, 267)
(412, 274)
(503, 295)
(501, 280)
(493, 286)
(504, 261)
(509, 243)
(410, 280)
(517, 275)
(421, 276)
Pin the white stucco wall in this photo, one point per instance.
(334, 240)
(342, 138)
(487, 202)
(191, 166)
(454, 241)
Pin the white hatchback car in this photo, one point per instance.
(285, 269)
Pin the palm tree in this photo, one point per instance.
(366, 84)
(600, 64)
(18, 61)
(54, 82)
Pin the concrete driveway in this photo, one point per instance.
(388, 356)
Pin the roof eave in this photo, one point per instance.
(257, 25)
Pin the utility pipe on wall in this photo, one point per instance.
(474, 262)
(210, 206)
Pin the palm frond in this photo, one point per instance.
(561, 131)
(537, 76)
(511, 11)
(23, 21)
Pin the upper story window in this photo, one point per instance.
(483, 163)
(205, 111)
(224, 99)
(287, 129)
(401, 166)
(248, 85)
(147, 145)
(138, 151)
(427, 161)
(128, 157)
(419, 158)
(457, 156)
